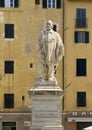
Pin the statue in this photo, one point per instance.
(51, 51)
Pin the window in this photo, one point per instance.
(31, 65)
(81, 125)
(81, 99)
(9, 125)
(9, 67)
(8, 100)
(81, 67)
(37, 1)
(51, 3)
(9, 30)
(81, 37)
(55, 28)
(80, 17)
(9, 3)
(23, 98)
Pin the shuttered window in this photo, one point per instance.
(16, 3)
(9, 3)
(44, 3)
(9, 67)
(8, 100)
(59, 3)
(8, 125)
(2, 3)
(55, 28)
(51, 3)
(80, 18)
(81, 99)
(81, 37)
(9, 30)
(80, 67)
(37, 1)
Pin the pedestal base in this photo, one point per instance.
(47, 128)
(46, 106)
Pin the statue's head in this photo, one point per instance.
(49, 25)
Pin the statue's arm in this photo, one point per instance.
(59, 48)
(39, 42)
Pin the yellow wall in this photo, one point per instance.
(28, 20)
(73, 83)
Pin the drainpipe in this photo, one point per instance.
(63, 67)
(63, 17)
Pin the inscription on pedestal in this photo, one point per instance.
(46, 108)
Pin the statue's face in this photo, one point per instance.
(49, 25)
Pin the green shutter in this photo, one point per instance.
(81, 13)
(81, 99)
(81, 67)
(80, 17)
(9, 30)
(2, 3)
(76, 37)
(86, 37)
(8, 100)
(58, 3)
(16, 3)
(44, 3)
(9, 123)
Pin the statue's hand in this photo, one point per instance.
(60, 51)
(41, 51)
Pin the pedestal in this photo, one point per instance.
(46, 98)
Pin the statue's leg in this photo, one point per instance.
(45, 71)
(51, 72)
(41, 68)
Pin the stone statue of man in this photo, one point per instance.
(51, 50)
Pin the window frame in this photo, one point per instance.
(8, 100)
(81, 20)
(9, 125)
(37, 2)
(81, 37)
(55, 27)
(81, 67)
(8, 3)
(9, 67)
(9, 31)
(5, 4)
(51, 4)
(58, 4)
(81, 99)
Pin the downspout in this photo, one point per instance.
(63, 17)
(63, 61)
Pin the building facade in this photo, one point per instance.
(20, 23)
(77, 64)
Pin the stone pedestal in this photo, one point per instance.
(46, 101)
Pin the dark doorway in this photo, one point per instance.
(13, 128)
(81, 125)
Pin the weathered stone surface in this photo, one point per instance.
(46, 100)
